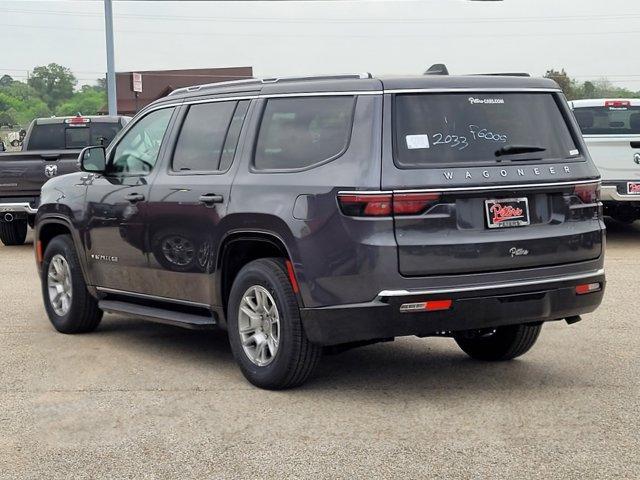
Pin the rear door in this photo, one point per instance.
(612, 133)
(189, 199)
(485, 181)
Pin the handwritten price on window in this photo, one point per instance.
(461, 142)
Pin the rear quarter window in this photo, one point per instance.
(433, 130)
(297, 133)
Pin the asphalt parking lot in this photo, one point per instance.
(141, 400)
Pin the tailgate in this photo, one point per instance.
(617, 157)
(24, 173)
(488, 181)
(470, 232)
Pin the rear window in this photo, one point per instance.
(300, 132)
(463, 128)
(614, 120)
(61, 136)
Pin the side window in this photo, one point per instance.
(209, 136)
(303, 131)
(137, 152)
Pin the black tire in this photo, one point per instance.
(503, 343)
(13, 233)
(296, 357)
(83, 315)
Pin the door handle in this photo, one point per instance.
(210, 198)
(635, 144)
(134, 197)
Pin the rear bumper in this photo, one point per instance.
(18, 207)
(476, 307)
(611, 193)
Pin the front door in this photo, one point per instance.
(189, 198)
(115, 236)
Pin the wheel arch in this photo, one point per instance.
(50, 226)
(238, 248)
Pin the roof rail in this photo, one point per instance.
(317, 77)
(258, 81)
(503, 74)
(196, 88)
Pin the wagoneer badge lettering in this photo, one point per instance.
(504, 173)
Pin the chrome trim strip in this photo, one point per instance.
(17, 207)
(471, 288)
(500, 187)
(470, 90)
(464, 189)
(151, 297)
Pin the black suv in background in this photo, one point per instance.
(334, 211)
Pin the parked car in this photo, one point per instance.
(306, 213)
(611, 129)
(50, 147)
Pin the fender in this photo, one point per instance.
(53, 218)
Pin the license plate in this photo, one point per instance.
(633, 188)
(507, 212)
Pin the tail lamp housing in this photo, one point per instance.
(385, 204)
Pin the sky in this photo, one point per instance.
(589, 38)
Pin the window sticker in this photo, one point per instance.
(415, 142)
(573, 153)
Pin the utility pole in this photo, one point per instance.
(111, 72)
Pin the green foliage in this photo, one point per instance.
(575, 90)
(54, 83)
(49, 90)
(87, 101)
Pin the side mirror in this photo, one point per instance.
(93, 160)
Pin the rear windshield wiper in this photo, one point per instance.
(515, 149)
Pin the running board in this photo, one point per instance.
(159, 315)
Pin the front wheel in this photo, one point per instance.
(70, 307)
(13, 233)
(501, 343)
(265, 330)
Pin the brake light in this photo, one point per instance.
(588, 288)
(365, 205)
(589, 193)
(413, 203)
(78, 120)
(617, 103)
(384, 204)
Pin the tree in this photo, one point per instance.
(5, 81)
(88, 101)
(567, 85)
(53, 83)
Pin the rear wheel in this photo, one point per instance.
(502, 343)
(70, 307)
(13, 233)
(265, 330)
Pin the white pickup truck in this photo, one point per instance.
(611, 129)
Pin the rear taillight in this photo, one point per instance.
(413, 203)
(365, 205)
(385, 204)
(589, 193)
(617, 103)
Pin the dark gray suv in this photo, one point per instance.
(314, 214)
